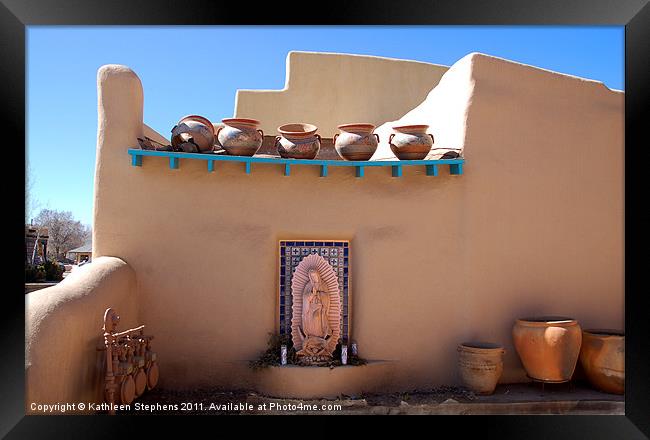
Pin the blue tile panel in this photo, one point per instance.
(291, 254)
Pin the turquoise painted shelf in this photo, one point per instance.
(431, 166)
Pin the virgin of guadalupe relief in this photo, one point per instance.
(316, 310)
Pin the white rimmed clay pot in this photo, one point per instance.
(298, 141)
(240, 136)
(411, 142)
(548, 346)
(356, 141)
(480, 365)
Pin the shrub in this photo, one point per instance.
(53, 271)
(48, 271)
(34, 273)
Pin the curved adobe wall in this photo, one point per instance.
(64, 329)
(534, 225)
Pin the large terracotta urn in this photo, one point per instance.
(193, 134)
(410, 142)
(298, 141)
(240, 136)
(480, 365)
(356, 141)
(548, 346)
(602, 356)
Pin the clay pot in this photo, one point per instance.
(356, 141)
(603, 358)
(411, 142)
(193, 132)
(298, 141)
(548, 346)
(240, 137)
(480, 365)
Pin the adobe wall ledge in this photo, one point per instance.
(292, 381)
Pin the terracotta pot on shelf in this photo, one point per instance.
(548, 346)
(356, 141)
(298, 141)
(193, 134)
(240, 136)
(602, 356)
(411, 142)
(480, 365)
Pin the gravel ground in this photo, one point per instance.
(511, 399)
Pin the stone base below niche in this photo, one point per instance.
(309, 382)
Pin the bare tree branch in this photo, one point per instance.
(65, 233)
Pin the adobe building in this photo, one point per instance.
(81, 253)
(35, 244)
(532, 224)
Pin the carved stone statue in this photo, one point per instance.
(316, 320)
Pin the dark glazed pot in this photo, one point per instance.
(356, 141)
(193, 133)
(411, 142)
(298, 141)
(240, 136)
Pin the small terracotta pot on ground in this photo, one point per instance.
(298, 141)
(548, 346)
(602, 356)
(356, 141)
(480, 365)
(411, 142)
(240, 136)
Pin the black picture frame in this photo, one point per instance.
(15, 15)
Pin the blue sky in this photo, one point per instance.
(197, 70)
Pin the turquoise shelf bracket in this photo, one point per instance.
(432, 170)
(248, 167)
(359, 171)
(323, 170)
(210, 166)
(397, 171)
(287, 169)
(456, 169)
(174, 163)
(136, 160)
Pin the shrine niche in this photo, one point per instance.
(291, 253)
(316, 310)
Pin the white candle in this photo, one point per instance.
(283, 355)
(344, 354)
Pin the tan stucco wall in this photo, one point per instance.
(533, 226)
(64, 328)
(329, 89)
